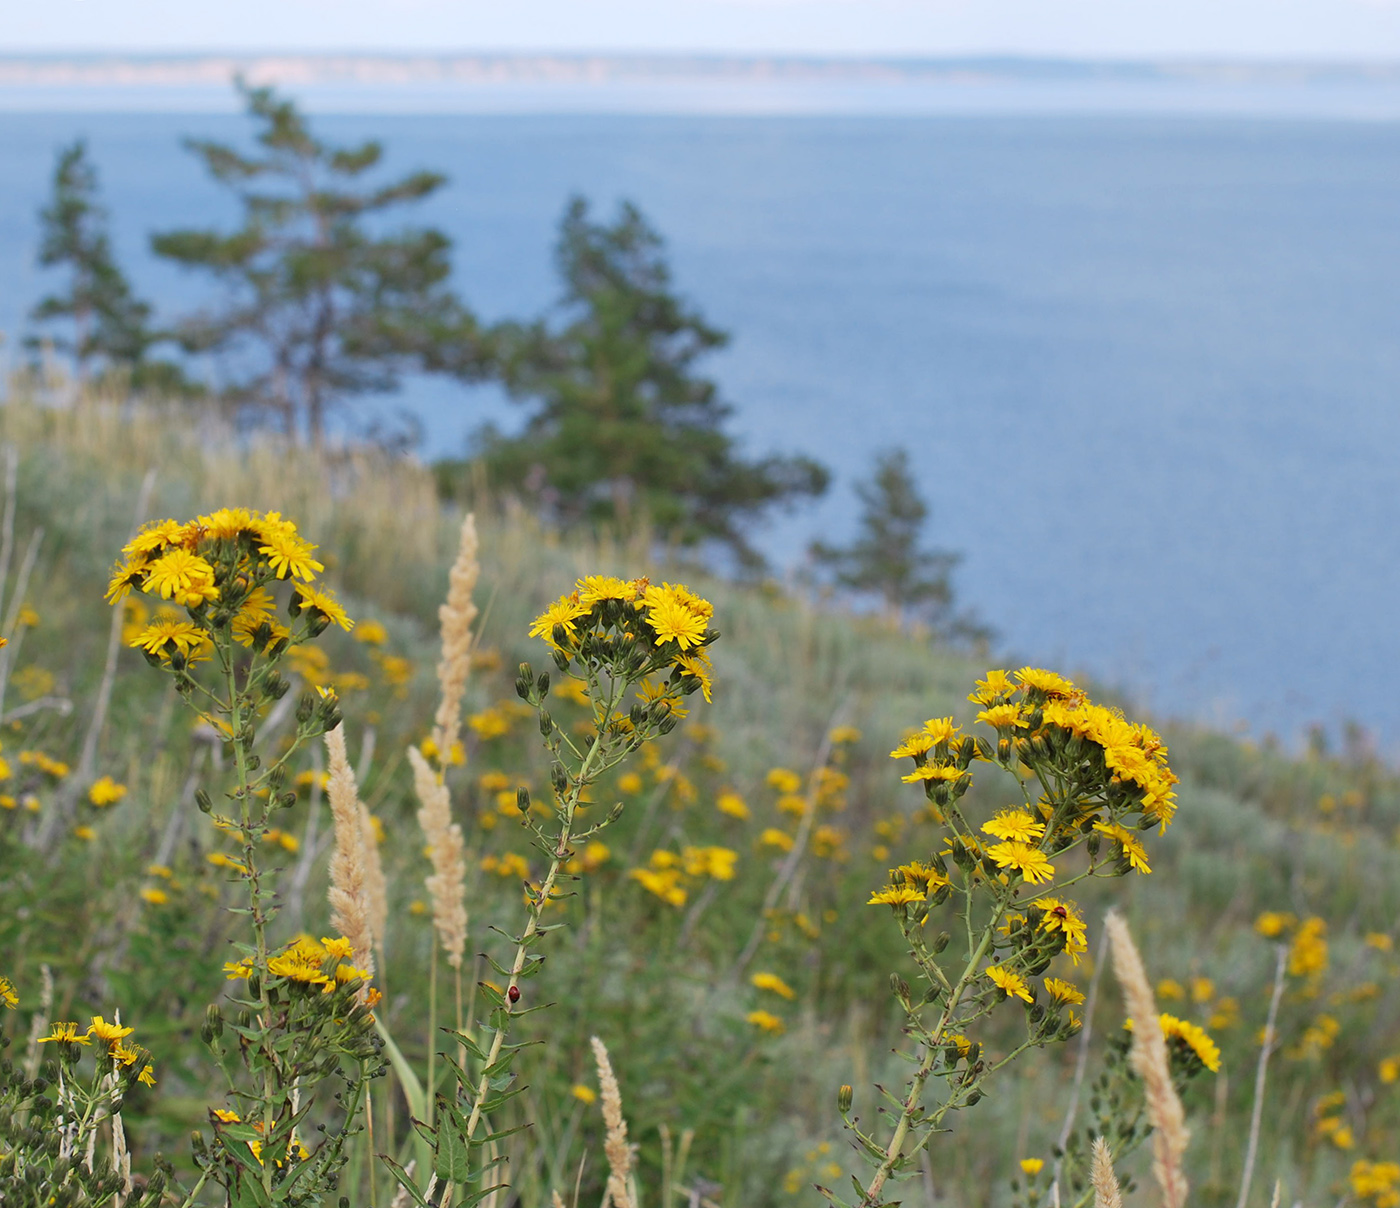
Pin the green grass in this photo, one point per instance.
(658, 984)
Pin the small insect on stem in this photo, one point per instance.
(513, 994)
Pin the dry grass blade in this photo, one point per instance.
(615, 1146)
(349, 890)
(456, 616)
(1106, 1193)
(1150, 1060)
(446, 848)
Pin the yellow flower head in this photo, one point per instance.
(1195, 1039)
(564, 611)
(106, 791)
(997, 685)
(766, 1021)
(1128, 843)
(931, 771)
(1046, 683)
(181, 576)
(1003, 717)
(67, 1033)
(918, 743)
(1014, 824)
(1010, 983)
(1032, 1166)
(1063, 991)
(287, 552)
(593, 589)
(326, 604)
(227, 524)
(896, 895)
(1029, 861)
(773, 983)
(675, 615)
(156, 637)
(108, 1033)
(584, 1094)
(9, 997)
(155, 536)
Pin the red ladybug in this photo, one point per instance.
(513, 994)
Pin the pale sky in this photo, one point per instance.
(1366, 29)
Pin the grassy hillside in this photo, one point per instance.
(124, 907)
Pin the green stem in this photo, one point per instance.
(893, 1151)
(253, 878)
(538, 903)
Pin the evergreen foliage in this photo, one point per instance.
(110, 326)
(621, 424)
(320, 306)
(887, 558)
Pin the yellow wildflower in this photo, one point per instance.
(1010, 983)
(1063, 991)
(108, 1033)
(772, 837)
(287, 553)
(181, 576)
(766, 1021)
(106, 791)
(584, 1094)
(9, 996)
(1032, 1166)
(774, 983)
(564, 611)
(1003, 717)
(729, 802)
(1029, 861)
(67, 1033)
(1014, 824)
(896, 895)
(996, 685)
(320, 600)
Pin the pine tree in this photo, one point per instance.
(108, 325)
(621, 424)
(887, 560)
(319, 308)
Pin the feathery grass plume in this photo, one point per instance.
(555, 1201)
(375, 884)
(619, 1153)
(448, 884)
(349, 892)
(1106, 1194)
(1150, 1060)
(456, 616)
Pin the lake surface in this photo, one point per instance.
(1148, 367)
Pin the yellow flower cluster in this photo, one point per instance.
(669, 626)
(1378, 1182)
(668, 874)
(217, 567)
(9, 997)
(308, 963)
(114, 1036)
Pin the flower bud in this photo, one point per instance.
(522, 799)
(201, 799)
(940, 941)
(542, 684)
(843, 1098)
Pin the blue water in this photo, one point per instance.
(1149, 368)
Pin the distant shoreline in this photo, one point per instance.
(738, 84)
